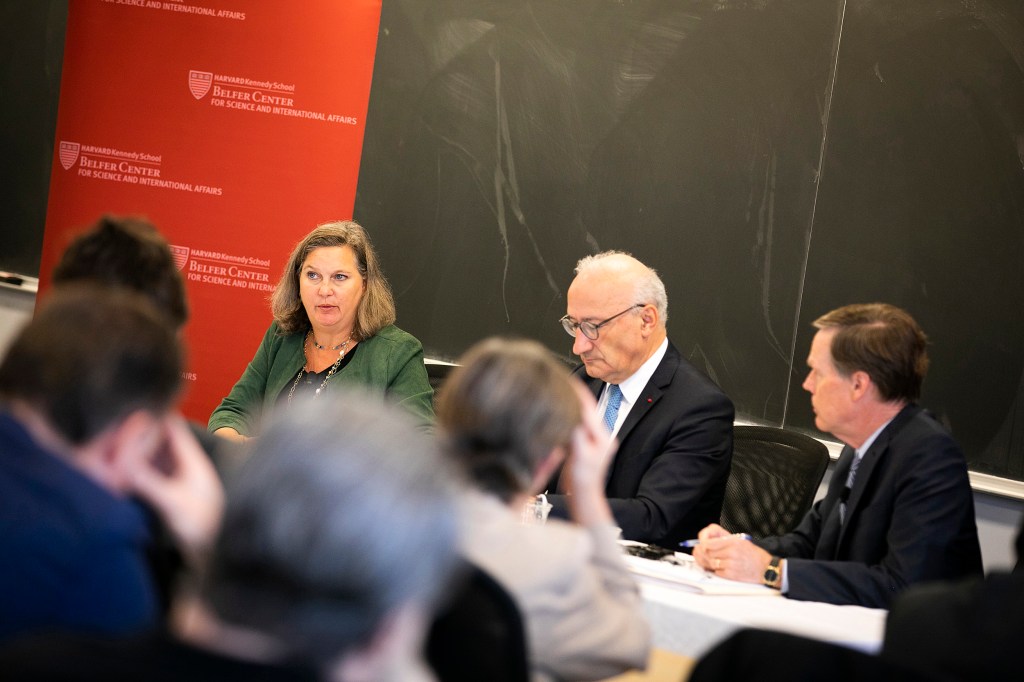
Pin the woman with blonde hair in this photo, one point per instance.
(333, 324)
(511, 414)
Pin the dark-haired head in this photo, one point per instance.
(129, 253)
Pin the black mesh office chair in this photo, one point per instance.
(775, 475)
(437, 373)
(480, 636)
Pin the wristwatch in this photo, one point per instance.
(772, 574)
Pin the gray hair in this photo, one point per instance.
(649, 288)
(504, 409)
(343, 513)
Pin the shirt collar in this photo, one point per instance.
(634, 385)
(871, 440)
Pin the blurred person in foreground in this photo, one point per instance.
(899, 508)
(130, 253)
(337, 541)
(333, 326)
(511, 414)
(86, 423)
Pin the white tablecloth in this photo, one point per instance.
(689, 624)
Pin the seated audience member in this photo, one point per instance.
(968, 630)
(337, 540)
(511, 414)
(86, 397)
(129, 253)
(333, 326)
(899, 508)
(673, 424)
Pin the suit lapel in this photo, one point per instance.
(828, 542)
(870, 461)
(645, 402)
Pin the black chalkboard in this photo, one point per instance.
(773, 159)
(31, 51)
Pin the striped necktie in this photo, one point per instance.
(849, 486)
(611, 411)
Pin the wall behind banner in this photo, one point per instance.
(32, 48)
(773, 160)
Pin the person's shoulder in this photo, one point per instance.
(693, 382)
(919, 426)
(64, 506)
(395, 336)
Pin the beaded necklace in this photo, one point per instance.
(334, 368)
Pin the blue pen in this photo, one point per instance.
(694, 543)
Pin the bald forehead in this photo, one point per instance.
(616, 264)
(620, 271)
(597, 290)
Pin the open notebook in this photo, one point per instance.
(681, 571)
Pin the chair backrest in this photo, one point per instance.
(775, 475)
(437, 372)
(480, 636)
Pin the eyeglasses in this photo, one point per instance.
(590, 329)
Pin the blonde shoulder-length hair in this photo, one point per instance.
(376, 308)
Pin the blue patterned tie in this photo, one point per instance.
(611, 411)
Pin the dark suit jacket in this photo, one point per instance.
(910, 519)
(768, 656)
(668, 477)
(968, 630)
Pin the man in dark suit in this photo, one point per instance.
(899, 508)
(674, 426)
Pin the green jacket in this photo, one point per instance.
(389, 362)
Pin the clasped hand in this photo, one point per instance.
(730, 556)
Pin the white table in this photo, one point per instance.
(690, 624)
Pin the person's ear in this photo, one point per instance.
(648, 319)
(860, 384)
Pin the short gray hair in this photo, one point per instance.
(343, 513)
(649, 288)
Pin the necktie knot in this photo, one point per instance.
(611, 410)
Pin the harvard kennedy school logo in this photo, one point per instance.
(199, 83)
(180, 254)
(68, 154)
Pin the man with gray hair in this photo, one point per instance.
(673, 424)
(337, 541)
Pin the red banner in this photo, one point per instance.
(234, 126)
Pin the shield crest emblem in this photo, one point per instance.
(68, 154)
(180, 254)
(199, 83)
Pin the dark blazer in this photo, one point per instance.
(768, 656)
(969, 630)
(667, 480)
(910, 519)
